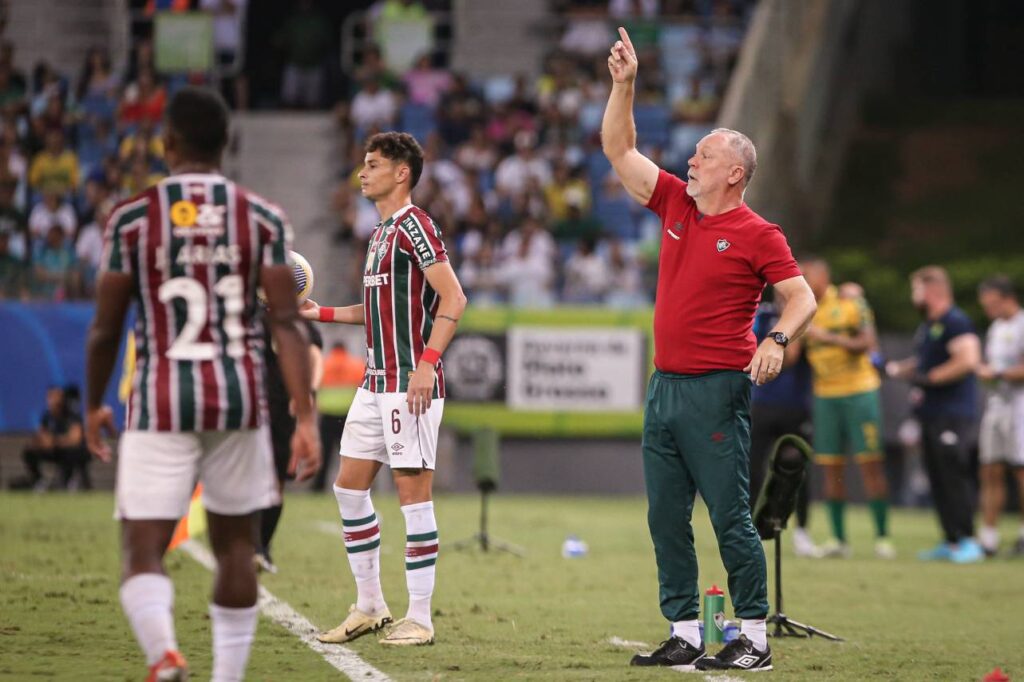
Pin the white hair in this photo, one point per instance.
(744, 150)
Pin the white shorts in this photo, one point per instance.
(1001, 435)
(380, 427)
(157, 472)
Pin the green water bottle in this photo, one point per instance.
(714, 615)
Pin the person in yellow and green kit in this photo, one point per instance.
(847, 412)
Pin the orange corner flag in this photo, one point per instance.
(194, 522)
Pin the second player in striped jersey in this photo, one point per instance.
(190, 252)
(411, 304)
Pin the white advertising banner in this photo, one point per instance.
(576, 369)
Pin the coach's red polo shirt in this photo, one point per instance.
(711, 272)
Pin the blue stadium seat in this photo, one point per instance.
(597, 168)
(616, 215)
(417, 120)
(653, 124)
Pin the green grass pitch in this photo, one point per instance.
(499, 617)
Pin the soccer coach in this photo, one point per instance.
(716, 257)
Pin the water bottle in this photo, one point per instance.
(574, 548)
(731, 631)
(714, 615)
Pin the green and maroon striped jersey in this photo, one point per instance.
(398, 303)
(194, 245)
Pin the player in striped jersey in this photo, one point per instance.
(411, 305)
(190, 253)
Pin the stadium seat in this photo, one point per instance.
(417, 120)
(616, 215)
(653, 124)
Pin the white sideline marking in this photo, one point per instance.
(340, 657)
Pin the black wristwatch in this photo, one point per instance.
(779, 338)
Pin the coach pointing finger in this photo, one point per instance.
(716, 257)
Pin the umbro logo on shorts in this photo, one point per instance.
(397, 447)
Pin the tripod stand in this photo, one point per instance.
(784, 627)
(482, 537)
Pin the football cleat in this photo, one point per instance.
(884, 549)
(804, 546)
(739, 654)
(967, 552)
(675, 653)
(833, 549)
(407, 632)
(264, 564)
(356, 625)
(940, 552)
(171, 668)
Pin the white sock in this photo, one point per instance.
(688, 631)
(148, 601)
(989, 537)
(362, 543)
(233, 632)
(756, 631)
(420, 557)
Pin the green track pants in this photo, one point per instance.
(697, 439)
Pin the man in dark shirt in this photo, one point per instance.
(58, 440)
(948, 352)
(282, 426)
(776, 409)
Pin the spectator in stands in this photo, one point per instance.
(305, 40)
(55, 167)
(480, 275)
(528, 265)
(228, 21)
(54, 275)
(143, 100)
(12, 164)
(142, 59)
(948, 352)
(143, 140)
(587, 275)
(701, 103)
(96, 143)
(564, 189)
(587, 33)
(625, 282)
(477, 153)
(142, 173)
(461, 109)
(576, 225)
(13, 222)
(513, 173)
(58, 440)
(49, 97)
(52, 211)
(96, 94)
(7, 61)
(89, 248)
(372, 67)
(12, 94)
(374, 106)
(426, 85)
(12, 271)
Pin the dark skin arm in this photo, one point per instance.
(292, 343)
(113, 294)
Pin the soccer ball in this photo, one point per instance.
(304, 279)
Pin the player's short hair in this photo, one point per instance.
(743, 148)
(198, 118)
(1001, 284)
(400, 147)
(932, 274)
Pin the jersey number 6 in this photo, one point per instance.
(396, 423)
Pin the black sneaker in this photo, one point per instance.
(674, 652)
(739, 654)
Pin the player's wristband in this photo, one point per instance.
(430, 355)
(326, 314)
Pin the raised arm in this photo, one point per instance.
(638, 174)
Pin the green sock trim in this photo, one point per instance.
(836, 514)
(880, 513)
